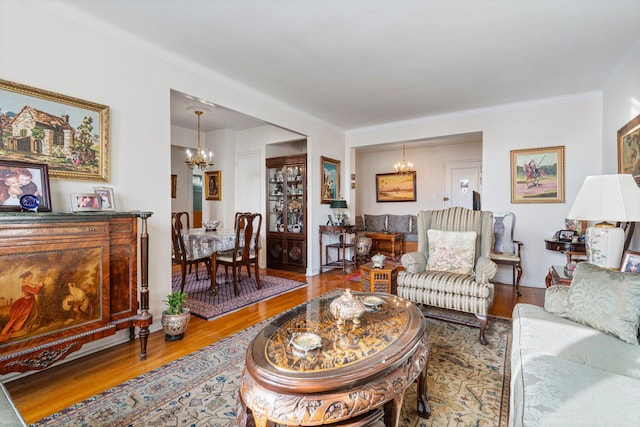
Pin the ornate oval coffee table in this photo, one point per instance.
(306, 369)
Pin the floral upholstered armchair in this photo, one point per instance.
(452, 268)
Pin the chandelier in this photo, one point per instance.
(200, 159)
(404, 167)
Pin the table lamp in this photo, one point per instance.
(339, 213)
(605, 198)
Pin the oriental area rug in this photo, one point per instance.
(468, 385)
(203, 304)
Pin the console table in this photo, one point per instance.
(388, 237)
(342, 231)
(69, 279)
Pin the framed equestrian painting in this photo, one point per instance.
(629, 149)
(537, 175)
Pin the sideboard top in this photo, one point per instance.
(69, 216)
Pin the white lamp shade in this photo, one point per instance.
(607, 198)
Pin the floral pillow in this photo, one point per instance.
(452, 251)
(606, 300)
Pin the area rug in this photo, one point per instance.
(467, 383)
(207, 306)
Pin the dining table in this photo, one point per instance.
(200, 243)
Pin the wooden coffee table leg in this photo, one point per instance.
(392, 410)
(422, 398)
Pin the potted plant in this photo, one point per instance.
(175, 318)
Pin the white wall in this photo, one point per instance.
(429, 164)
(573, 122)
(136, 85)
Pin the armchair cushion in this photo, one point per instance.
(414, 262)
(606, 300)
(452, 251)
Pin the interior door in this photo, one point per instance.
(197, 201)
(461, 180)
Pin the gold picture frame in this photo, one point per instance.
(629, 149)
(174, 185)
(393, 187)
(537, 175)
(68, 134)
(330, 189)
(213, 185)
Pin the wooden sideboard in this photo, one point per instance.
(67, 279)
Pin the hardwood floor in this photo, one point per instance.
(52, 390)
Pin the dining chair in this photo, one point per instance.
(186, 254)
(506, 250)
(247, 227)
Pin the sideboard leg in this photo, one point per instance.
(144, 319)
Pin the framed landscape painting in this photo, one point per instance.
(68, 134)
(537, 175)
(393, 187)
(629, 149)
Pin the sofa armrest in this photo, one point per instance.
(485, 269)
(414, 262)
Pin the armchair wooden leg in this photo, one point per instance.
(517, 280)
(484, 321)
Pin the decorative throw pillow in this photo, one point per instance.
(375, 222)
(606, 300)
(452, 251)
(399, 223)
(555, 300)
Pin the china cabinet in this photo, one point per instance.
(286, 212)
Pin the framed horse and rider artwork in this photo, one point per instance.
(537, 175)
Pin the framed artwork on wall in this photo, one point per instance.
(393, 187)
(213, 185)
(537, 175)
(629, 149)
(330, 190)
(18, 179)
(174, 185)
(68, 134)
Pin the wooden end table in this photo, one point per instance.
(379, 279)
(356, 371)
(389, 237)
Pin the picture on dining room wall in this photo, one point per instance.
(537, 175)
(213, 185)
(330, 190)
(68, 134)
(393, 187)
(629, 149)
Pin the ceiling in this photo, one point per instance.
(359, 63)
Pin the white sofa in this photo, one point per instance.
(564, 373)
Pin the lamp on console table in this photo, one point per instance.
(605, 198)
(339, 211)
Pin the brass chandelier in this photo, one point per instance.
(404, 167)
(200, 159)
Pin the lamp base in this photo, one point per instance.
(604, 244)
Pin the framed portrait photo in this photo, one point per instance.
(213, 185)
(68, 134)
(107, 198)
(629, 149)
(537, 175)
(23, 178)
(330, 190)
(630, 262)
(85, 202)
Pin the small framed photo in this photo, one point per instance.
(107, 198)
(566, 235)
(630, 262)
(23, 178)
(85, 202)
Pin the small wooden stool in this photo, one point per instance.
(379, 279)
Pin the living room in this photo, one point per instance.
(136, 83)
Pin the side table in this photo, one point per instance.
(394, 238)
(557, 276)
(341, 231)
(379, 279)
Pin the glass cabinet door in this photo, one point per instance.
(276, 200)
(295, 198)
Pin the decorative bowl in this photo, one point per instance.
(306, 341)
(211, 225)
(378, 260)
(372, 301)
